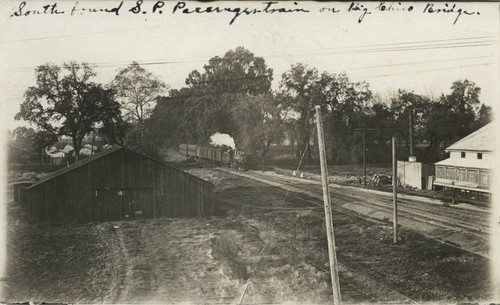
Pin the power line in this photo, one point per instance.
(419, 62)
(360, 49)
(318, 52)
(357, 68)
(420, 71)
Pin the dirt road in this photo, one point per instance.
(278, 252)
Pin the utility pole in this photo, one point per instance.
(93, 140)
(364, 160)
(187, 156)
(364, 151)
(410, 120)
(395, 190)
(328, 211)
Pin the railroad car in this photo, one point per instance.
(223, 155)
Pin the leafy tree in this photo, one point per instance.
(43, 139)
(66, 102)
(485, 116)
(163, 128)
(300, 86)
(23, 137)
(409, 107)
(344, 103)
(238, 71)
(452, 117)
(113, 127)
(205, 105)
(378, 141)
(348, 106)
(260, 123)
(137, 90)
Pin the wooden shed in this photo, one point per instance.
(117, 184)
(20, 191)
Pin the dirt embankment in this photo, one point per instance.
(62, 263)
(269, 241)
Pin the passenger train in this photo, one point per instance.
(221, 155)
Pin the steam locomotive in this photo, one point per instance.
(220, 155)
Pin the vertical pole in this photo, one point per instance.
(187, 157)
(364, 160)
(93, 139)
(411, 131)
(328, 211)
(394, 190)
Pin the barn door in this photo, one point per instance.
(137, 203)
(124, 204)
(107, 205)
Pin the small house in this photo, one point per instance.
(117, 184)
(470, 164)
(54, 156)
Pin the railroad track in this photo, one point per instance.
(474, 222)
(471, 222)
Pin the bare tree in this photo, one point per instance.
(137, 90)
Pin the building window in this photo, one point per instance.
(473, 176)
(450, 173)
(461, 174)
(462, 154)
(479, 155)
(441, 172)
(484, 178)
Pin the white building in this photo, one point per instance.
(88, 149)
(470, 163)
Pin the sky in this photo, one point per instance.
(392, 49)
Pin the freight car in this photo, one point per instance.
(222, 155)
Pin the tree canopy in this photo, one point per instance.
(232, 95)
(205, 105)
(65, 102)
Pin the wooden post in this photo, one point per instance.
(410, 120)
(328, 211)
(364, 160)
(364, 130)
(395, 190)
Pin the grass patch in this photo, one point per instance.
(226, 250)
(418, 267)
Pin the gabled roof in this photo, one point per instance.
(78, 164)
(95, 157)
(482, 139)
(18, 148)
(68, 148)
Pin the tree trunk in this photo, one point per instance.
(308, 147)
(309, 154)
(77, 145)
(332, 154)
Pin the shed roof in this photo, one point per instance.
(482, 139)
(97, 156)
(18, 148)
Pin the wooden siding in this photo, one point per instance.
(119, 186)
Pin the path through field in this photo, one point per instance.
(266, 239)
